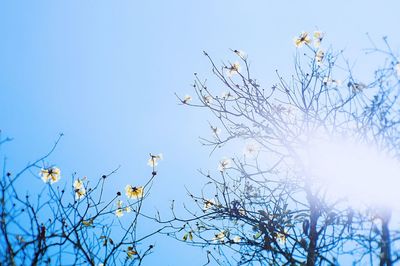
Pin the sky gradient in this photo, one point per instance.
(105, 73)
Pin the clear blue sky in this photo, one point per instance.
(105, 72)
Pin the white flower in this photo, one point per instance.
(78, 184)
(187, 99)
(207, 99)
(331, 82)
(281, 237)
(319, 56)
(233, 69)
(220, 237)
(318, 36)
(236, 239)
(208, 203)
(216, 131)
(397, 68)
(153, 161)
(50, 175)
(79, 189)
(119, 212)
(224, 164)
(226, 95)
(251, 149)
(242, 211)
(121, 209)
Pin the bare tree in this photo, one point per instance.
(75, 223)
(269, 206)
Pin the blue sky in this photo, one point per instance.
(104, 73)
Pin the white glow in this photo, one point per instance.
(355, 171)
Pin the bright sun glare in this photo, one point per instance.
(355, 171)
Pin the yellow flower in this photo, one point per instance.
(233, 69)
(224, 164)
(319, 56)
(51, 174)
(318, 36)
(302, 39)
(187, 99)
(133, 192)
(79, 189)
(128, 209)
(153, 161)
